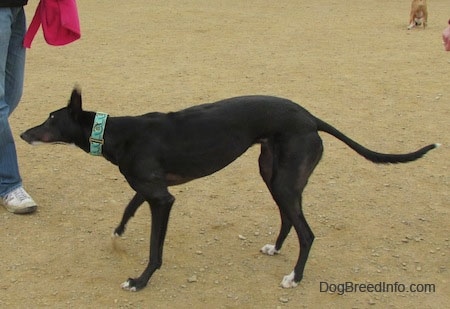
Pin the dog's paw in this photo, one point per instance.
(118, 231)
(288, 281)
(133, 285)
(127, 285)
(269, 250)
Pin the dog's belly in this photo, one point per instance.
(174, 179)
(183, 165)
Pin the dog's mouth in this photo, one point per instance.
(32, 139)
(37, 143)
(60, 143)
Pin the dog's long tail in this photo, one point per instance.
(370, 155)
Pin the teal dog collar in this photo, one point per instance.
(96, 138)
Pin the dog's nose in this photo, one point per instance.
(25, 137)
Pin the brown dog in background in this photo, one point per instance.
(419, 14)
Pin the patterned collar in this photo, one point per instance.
(96, 139)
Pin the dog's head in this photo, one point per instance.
(62, 126)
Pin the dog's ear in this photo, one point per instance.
(75, 104)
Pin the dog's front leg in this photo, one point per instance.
(412, 22)
(129, 212)
(160, 211)
(425, 19)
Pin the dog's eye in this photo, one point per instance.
(52, 116)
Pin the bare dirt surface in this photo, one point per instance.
(355, 66)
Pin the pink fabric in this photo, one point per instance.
(446, 37)
(59, 20)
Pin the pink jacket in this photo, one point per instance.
(446, 37)
(59, 20)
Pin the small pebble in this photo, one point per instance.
(192, 279)
(284, 300)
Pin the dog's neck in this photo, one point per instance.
(96, 140)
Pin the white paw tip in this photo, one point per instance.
(126, 286)
(269, 250)
(288, 281)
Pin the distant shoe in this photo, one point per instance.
(19, 202)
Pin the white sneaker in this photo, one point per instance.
(19, 202)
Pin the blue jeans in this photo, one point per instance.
(12, 66)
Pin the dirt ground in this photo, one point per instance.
(355, 66)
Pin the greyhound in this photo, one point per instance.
(158, 150)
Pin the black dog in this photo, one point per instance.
(157, 150)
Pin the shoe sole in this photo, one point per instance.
(25, 210)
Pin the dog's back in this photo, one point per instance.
(226, 129)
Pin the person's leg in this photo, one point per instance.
(12, 64)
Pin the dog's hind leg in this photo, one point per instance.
(129, 212)
(267, 159)
(286, 226)
(268, 163)
(297, 159)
